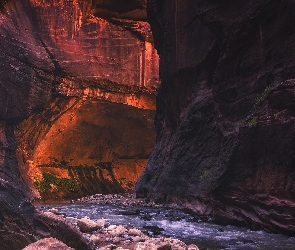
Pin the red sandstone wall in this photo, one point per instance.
(91, 47)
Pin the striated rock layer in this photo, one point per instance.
(56, 56)
(80, 147)
(225, 115)
(54, 53)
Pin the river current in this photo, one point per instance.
(178, 224)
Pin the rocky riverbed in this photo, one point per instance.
(102, 235)
(119, 221)
(126, 199)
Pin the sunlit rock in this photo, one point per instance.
(85, 64)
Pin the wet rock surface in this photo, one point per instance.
(135, 208)
(190, 229)
(225, 121)
(103, 236)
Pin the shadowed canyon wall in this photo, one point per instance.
(66, 65)
(225, 111)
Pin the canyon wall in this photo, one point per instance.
(83, 58)
(78, 146)
(57, 57)
(225, 111)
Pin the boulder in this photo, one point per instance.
(48, 244)
(192, 247)
(53, 210)
(101, 223)
(95, 238)
(118, 231)
(176, 244)
(134, 232)
(108, 247)
(86, 225)
(111, 227)
(145, 246)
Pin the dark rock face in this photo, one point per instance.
(225, 111)
(21, 224)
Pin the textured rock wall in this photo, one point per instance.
(82, 45)
(44, 44)
(60, 47)
(98, 146)
(225, 111)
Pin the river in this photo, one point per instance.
(178, 224)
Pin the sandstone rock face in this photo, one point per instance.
(82, 45)
(225, 111)
(66, 48)
(80, 147)
(44, 45)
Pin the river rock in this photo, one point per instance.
(95, 238)
(86, 225)
(101, 223)
(108, 247)
(118, 231)
(116, 240)
(176, 244)
(48, 244)
(134, 232)
(111, 227)
(145, 246)
(192, 247)
(137, 239)
(161, 243)
(53, 210)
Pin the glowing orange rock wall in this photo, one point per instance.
(56, 54)
(99, 145)
(91, 47)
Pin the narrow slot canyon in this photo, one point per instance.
(147, 124)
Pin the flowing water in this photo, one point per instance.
(178, 224)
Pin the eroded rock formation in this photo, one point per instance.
(225, 111)
(45, 46)
(78, 147)
(60, 47)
